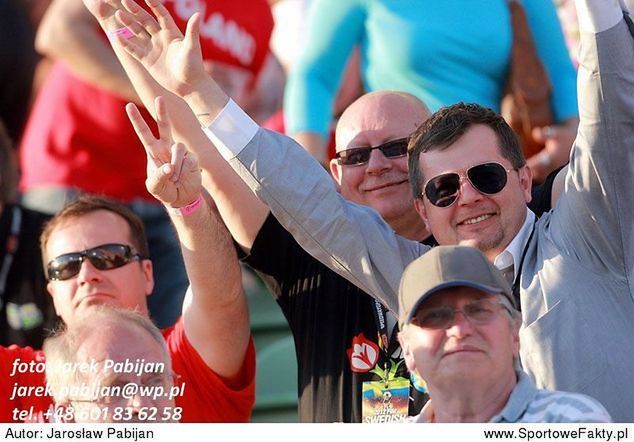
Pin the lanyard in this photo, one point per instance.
(381, 323)
(11, 246)
(516, 283)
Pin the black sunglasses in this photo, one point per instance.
(361, 155)
(479, 312)
(486, 178)
(103, 257)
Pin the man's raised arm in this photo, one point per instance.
(215, 312)
(596, 211)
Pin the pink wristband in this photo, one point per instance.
(189, 208)
(123, 32)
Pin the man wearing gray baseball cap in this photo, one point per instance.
(460, 334)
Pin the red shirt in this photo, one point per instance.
(79, 135)
(206, 397)
(32, 403)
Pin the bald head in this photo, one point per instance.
(379, 181)
(121, 347)
(393, 111)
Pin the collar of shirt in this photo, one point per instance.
(519, 400)
(513, 252)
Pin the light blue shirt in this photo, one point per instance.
(442, 52)
(527, 404)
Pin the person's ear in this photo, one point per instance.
(408, 355)
(147, 268)
(419, 205)
(526, 182)
(335, 170)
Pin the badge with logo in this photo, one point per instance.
(385, 399)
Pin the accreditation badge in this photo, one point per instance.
(385, 402)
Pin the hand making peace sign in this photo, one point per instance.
(173, 176)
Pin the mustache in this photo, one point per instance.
(385, 180)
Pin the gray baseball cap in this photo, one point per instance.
(448, 266)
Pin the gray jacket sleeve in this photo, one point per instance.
(351, 239)
(593, 222)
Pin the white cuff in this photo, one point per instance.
(598, 15)
(231, 130)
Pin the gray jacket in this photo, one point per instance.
(576, 281)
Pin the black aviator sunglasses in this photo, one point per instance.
(487, 178)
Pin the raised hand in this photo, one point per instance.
(173, 175)
(175, 61)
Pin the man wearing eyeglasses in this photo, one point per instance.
(96, 254)
(460, 332)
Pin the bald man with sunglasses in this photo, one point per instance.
(95, 254)
(571, 269)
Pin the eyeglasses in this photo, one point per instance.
(479, 312)
(486, 178)
(361, 155)
(103, 257)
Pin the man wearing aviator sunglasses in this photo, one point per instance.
(487, 178)
(460, 333)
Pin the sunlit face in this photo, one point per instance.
(465, 351)
(127, 403)
(492, 221)
(124, 287)
(382, 183)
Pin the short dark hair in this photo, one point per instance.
(448, 124)
(86, 204)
